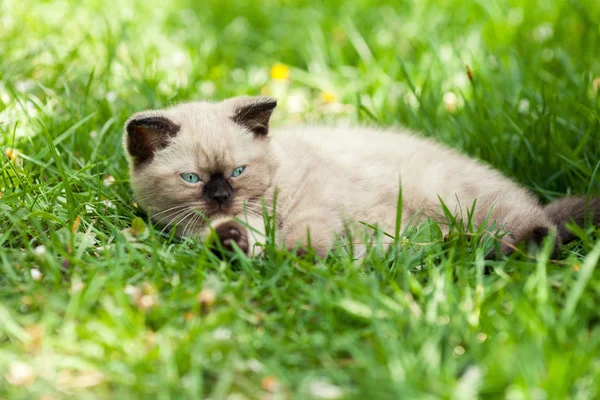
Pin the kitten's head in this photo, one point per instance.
(200, 159)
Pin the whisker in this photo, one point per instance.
(184, 212)
(176, 213)
(189, 222)
(189, 214)
(170, 209)
(169, 223)
(171, 214)
(254, 208)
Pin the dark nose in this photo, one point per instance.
(218, 190)
(220, 197)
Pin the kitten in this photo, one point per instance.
(218, 163)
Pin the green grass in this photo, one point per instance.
(114, 311)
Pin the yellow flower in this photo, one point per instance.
(280, 72)
(11, 154)
(328, 97)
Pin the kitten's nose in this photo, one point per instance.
(217, 189)
(220, 197)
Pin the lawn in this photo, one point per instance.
(96, 303)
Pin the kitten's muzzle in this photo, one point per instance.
(218, 190)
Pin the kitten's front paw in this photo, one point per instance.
(230, 232)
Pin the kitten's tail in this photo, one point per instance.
(581, 210)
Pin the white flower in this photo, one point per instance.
(222, 334)
(459, 351)
(40, 250)
(543, 33)
(469, 384)
(24, 86)
(296, 101)
(108, 203)
(109, 180)
(207, 297)
(179, 59)
(111, 96)
(19, 374)
(36, 275)
(254, 365)
(4, 96)
(31, 109)
(76, 286)
(146, 302)
(451, 102)
(524, 106)
(133, 291)
(322, 389)
(461, 80)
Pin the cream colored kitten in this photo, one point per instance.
(203, 162)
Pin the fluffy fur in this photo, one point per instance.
(326, 178)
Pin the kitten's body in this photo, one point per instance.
(325, 177)
(358, 171)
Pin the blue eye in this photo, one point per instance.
(189, 177)
(238, 171)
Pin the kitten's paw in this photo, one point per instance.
(308, 253)
(230, 232)
(302, 252)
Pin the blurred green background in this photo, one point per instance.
(533, 65)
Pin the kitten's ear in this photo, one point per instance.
(146, 133)
(253, 113)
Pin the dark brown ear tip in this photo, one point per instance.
(154, 123)
(272, 101)
(254, 113)
(147, 134)
(133, 122)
